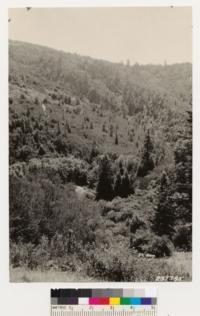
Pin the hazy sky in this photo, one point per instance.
(143, 35)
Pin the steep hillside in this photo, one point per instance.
(63, 103)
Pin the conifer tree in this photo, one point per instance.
(116, 139)
(147, 162)
(163, 220)
(121, 167)
(58, 129)
(125, 186)
(111, 130)
(118, 185)
(68, 128)
(104, 188)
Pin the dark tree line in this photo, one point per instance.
(109, 186)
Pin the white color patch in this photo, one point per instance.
(83, 300)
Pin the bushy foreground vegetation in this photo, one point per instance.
(53, 227)
(100, 167)
(110, 264)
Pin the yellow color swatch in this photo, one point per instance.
(114, 301)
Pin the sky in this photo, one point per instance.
(146, 35)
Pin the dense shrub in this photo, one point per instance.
(117, 263)
(112, 215)
(92, 175)
(160, 246)
(70, 169)
(141, 240)
(20, 253)
(124, 215)
(58, 245)
(136, 223)
(109, 264)
(143, 183)
(33, 204)
(105, 207)
(40, 206)
(147, 242)
(40, 254)
(183, 237)
(45, 255)
(131, 165)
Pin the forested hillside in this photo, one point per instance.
(100, 160)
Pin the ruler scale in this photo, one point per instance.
(103, 302)
(104, 312)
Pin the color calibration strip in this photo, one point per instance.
(137, 294)
(101, 302)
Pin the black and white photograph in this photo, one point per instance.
(100, 144)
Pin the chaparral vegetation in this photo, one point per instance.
(100, 172)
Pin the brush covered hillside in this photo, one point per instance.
(100, 166)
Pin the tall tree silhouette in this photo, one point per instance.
(104, 188)
(118, 185)
(116, 139)
(126, 188)
(163, 220)
(146, 163)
